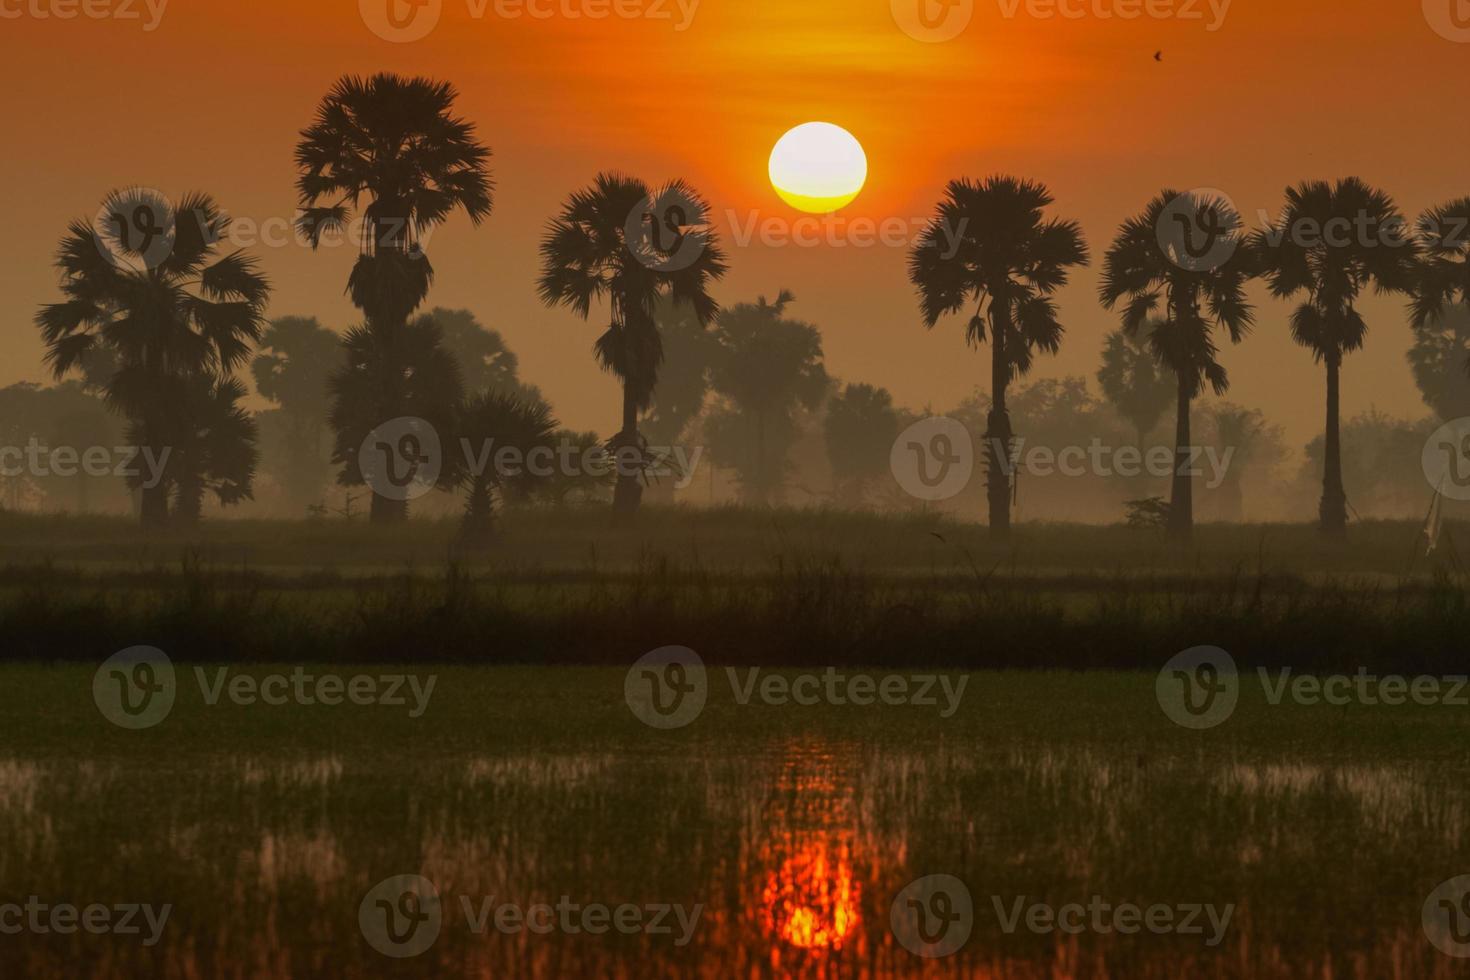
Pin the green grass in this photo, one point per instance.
(783, 588)
(264, 826)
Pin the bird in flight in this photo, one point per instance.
(1158, 56)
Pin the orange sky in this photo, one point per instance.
(213, 96)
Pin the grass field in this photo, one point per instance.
(263, 827)
(1054, 776)
(779, 588)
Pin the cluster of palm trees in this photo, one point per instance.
(146, 288)
(1180, 301)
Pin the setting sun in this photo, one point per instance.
(818, 167)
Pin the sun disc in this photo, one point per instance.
(818, 167)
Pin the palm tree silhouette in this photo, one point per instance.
(1331, 242)
(1443, 276)
(1191, 292)
(394, 142)
(1133, 380)
(991, 246)
(621, 241)
(490, 422)
(147, 284)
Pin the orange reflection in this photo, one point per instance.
(811, 899)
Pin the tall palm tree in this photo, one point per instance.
(621, 241)
(768, 366)
(395, 144)
(488, 423)
(990, 246)
(1443, 276)
(1191, 295)
(147, 283)
(1330, 243)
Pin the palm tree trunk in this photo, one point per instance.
(188, 504)
(998, 433)
(1181, 501)
(1333, 511)
(628, 492)
(391, 234)
(478, 528)
(153, 501)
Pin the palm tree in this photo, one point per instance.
(1307, 252)
(394, 143)
(1437, 359)
(148, 284)
(488, 423)
(990, 247)
(767, 367)
(620, 241)
(1443, 276)
(212, 441)
(1133, 380)
(1192, 294)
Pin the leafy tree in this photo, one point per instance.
(395, 143)
(296, 359)
(1189, 299)
(1133, 380)
(1253, 445)
(486, 362)
(860, 428)
(149, 285)
(683, 385)
(990, 246)
(422, 377)
(768, 367)
(630, 245)
(1305, 253)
